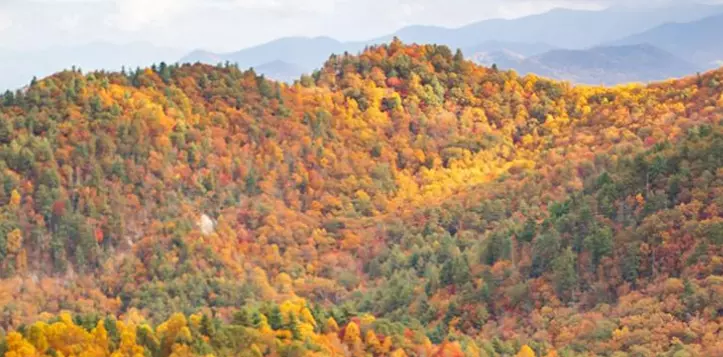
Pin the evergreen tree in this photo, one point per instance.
(256, 319)
(5, 130)
(243, 318)
(600, 244)
(544, 250)
(293, 326)
(565, 273)
(111, 327)
(528, 231)
(498, 248)
(252, 187)
(207, 326)
(276, 321)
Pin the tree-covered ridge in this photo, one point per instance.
(460, 202)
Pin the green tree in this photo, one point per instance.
(293, 326)
(276, 321)
(599, 244)
(630, 263)
(565, 273)
(544, 251)
(498, 248)
(207, 326)
(528, 231)
(5, 130)
(243, 318)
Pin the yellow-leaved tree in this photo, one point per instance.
(526, 351)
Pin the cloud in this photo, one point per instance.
(136, 15)
(69, 22)
(5, 22)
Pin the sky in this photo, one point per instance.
(225, 25)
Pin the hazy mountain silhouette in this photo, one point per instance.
(600, 65)
(280, 70)
(699, 41)
(525, 49)
(693, 37)
(303, 52)
(506, 41)
(564, 28)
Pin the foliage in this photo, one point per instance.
(402, 201)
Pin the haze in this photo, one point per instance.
(227, 25)
(284, 39)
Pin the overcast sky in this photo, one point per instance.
(232, 24)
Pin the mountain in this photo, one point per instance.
(303, 53)
(281, 71)
(202, 56)
(403, 201)
(499, 58)
(599, 65)
(422, 34)
(697, 41)
(19, 67)
(528, 36)
(288, 58)
(563, 28)
(521, 48)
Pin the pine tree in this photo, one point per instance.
(293, 326)
(498, 248)
(256, 319)
(243, 318)
(113, 334)
(600, 244)
(544, 250)
(565, 273)
(275, 319)
(207, 327)
(528, 232)
(5, 131)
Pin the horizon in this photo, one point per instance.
(522, 28)
(118, 22)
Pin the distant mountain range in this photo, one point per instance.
(562, 28)
(298, 54)
(599, 65)
(521, 48)
(280, 70)
(698, 41)
(288, 58)
(608, 46)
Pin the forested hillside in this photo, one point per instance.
(401, 202)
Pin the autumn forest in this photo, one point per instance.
(398, 202)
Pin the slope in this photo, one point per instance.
(402, 193)
(695, 40)
(528, 36)
(303, 52)
(524, 49)
(564, 28)
(281, 71)
(599, 65)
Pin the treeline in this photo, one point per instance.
(288, 329)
